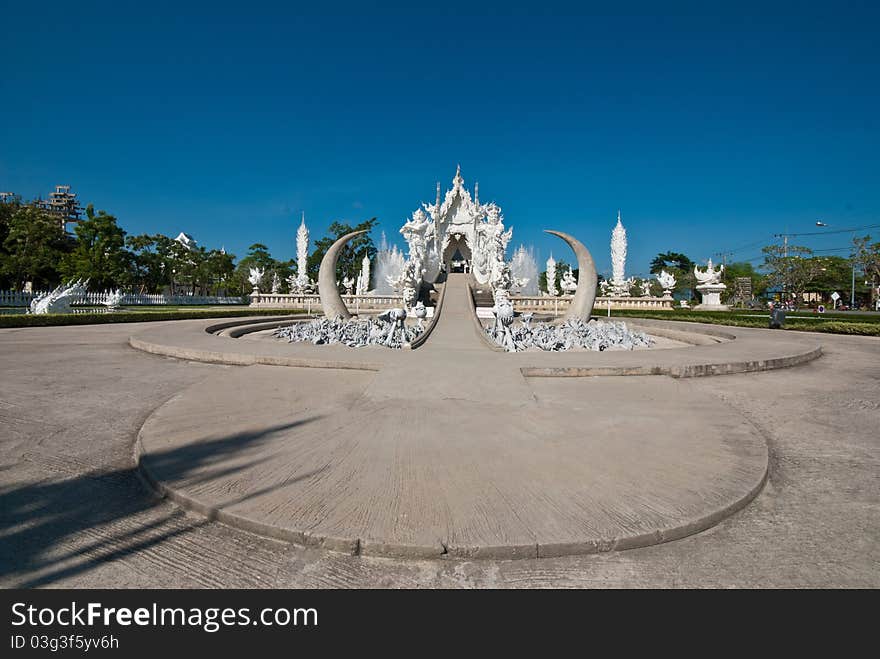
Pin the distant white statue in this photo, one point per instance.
(710, 287)
(620, 285)
(348, 284)
(60, 299)
(300, 283)
(604, 287)
(646, 287)
(524, 271)
(113, 299)
(276, 283)
(255, 277)
(667, 281)
(363, 280)
(710, 275)
(551, 277)
(569, 282)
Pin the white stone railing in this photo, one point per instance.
(558, 305)
(21, 299)
(355, 303)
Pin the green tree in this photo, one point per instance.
(678, 265)
(561, 269)
(34, 246)
(791, 269)
(258, 256)
(867, 258)
(99, 253)
(8, 208)
(834, 274)
(737, 269)
(349, 262)
(150, 270)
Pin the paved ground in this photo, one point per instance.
(74, 513)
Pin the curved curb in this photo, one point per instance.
(438, 309)
(240, 359)
(366, 547)
(686, 371)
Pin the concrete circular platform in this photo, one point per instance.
(328, 458)
(455, 449)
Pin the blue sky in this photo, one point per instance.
(711, 126)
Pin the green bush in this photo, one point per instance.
(53, 320)
(863, 325)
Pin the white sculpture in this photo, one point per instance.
(300, 283)
(710, 275)
(389, 329)
(390, 262)
(276, 283)
(113, 299)
(573, 334)
(569, 282)
(710, 287)
(363, 282)
(551, 277)
(646, 287)
(421, 312)
(667, 281)
(348, 284)
(255, 277)
(455, 224)
(619, 284)
(60, 299)
(524, 271)
(503, 312)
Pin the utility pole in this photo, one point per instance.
(784, 237)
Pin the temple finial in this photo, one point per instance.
(618, 215)
(477, 193)
(438, 195)
(303, 223)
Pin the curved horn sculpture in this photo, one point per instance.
(585, 296)
(331, 300)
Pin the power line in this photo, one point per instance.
(825, 233)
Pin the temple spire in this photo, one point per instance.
(477, 193)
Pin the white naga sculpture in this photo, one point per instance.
(710, 287)
(60, 299)
(454, 224)
(551, 277)
(255, 277)
(569, 282)
(667, 281)
(619, 284)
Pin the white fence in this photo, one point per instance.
(557, 305)
(355, 303)
(18, 299)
